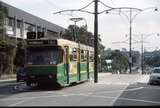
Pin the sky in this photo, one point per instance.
(113, 28)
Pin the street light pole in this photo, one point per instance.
(130, 42)
(131, 18)
(95, 41)
(96, 13)
(75, 21)
(142, 53)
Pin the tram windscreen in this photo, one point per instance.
(44, 56)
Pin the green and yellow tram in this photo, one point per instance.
(50, 61)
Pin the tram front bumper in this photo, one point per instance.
(42, 78)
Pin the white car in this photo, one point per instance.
(155, 76)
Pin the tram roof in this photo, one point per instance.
(73, 44)
(65, 42)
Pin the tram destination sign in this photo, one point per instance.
(42, 42)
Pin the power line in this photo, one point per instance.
(81, 9)
(96, 13)
(52, 4)
(87, 5)
(105, 5)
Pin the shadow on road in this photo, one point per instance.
(13, 88)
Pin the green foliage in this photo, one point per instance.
(7, 55)
(119, 60)
(20, 54)
(7, 49)
(3, 14)
(84, 37)
(81, 34)
(153, 60)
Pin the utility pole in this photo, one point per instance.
(96, 41)
(142, 53)
(96, 13)
(130, 42)
(75, 21)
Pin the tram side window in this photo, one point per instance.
(60, 58)
(73, 55)
(83, 55)
(91, 57)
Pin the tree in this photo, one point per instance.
(7, 49)
(119, 60)
(154, 59)
(82, 35)
(20, 54)
(3, 15)
(6, 59)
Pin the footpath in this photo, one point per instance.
(5, 78)
(125, 79)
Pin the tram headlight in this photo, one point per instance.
(53, 62)
(30, 63)
(32, 76)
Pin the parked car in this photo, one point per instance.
(155, 76)
(21, 74)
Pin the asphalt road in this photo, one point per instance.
(84, 94)
(111, 90)
(142, 94)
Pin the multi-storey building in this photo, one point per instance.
(18, 23)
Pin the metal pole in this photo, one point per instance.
(36, 31)
(142, 53)
(95, 41)
(130, 42)
(75, 31)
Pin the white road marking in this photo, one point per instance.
(151, 87)
(121, 90)
(155, 102)
(81, 94)
(17, 103)
(110, 83)
(113, 91)
(118, 96)
(24, 98)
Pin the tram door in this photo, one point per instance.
(67, 64)
(87, 64)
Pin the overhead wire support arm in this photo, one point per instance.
(81, 9)
(87, 5)
(72, 10)
(119, 8)
(95, 13)
(105, 5)
(120, 42)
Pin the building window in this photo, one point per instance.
(51, 33)
(9, 22)
(39, 29)
(29, 27)
(18, 24)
